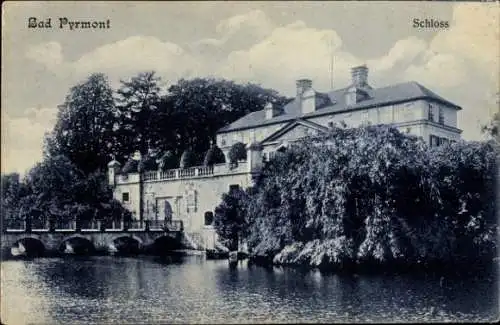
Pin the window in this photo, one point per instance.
(209, 218)
(234, 187)
(408, 130)
(441, 115)
(264, 157)
(330, 125)
(444, 141)
(433, 141)
(125, 197)
(430, 117)
(272, 154)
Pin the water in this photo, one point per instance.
(120, 290)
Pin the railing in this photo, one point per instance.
(64, 225)
(14, 225)
(135, 225)
(92, 226)
(156, 224)
(151, 176)
(168, 174)
(190, 172)
(40, 224)
(201, 171)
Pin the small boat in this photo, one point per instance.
(18, 250)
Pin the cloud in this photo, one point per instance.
(22, 138)
(403, 52)
(236, 32)
(134, 54)
(49, 54)
(439, 71)
(255, 21)
(474, 33)
(287, 53)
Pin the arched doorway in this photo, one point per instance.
(167, 212)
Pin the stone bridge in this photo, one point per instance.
(97, 239)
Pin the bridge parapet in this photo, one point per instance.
(101, 237)
(26, 226)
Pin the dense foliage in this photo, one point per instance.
(374, 196)
(56, 188)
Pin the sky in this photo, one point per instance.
(269, 43)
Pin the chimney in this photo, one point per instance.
(271, 110)
(302, 86)
(359, 76)
(306, 96)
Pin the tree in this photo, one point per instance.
(137, 101)
(84, 131)
(194, 110)
(12, 191)
(229, 219)
(57, 188)
(493, 128)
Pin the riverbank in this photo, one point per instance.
(289, 258)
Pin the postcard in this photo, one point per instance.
(249, 162)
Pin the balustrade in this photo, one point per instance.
(90, 225)
(201, 171)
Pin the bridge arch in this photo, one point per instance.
(165, 243)
(77, 244)
(29, 245)
(139, 240)
(125, 244)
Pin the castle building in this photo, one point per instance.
(191, 194)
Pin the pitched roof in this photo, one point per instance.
(334, 102)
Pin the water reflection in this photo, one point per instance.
(193, 290)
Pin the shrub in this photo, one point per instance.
(237, 152)
(131, 166)
(148, 163)
(214, 156)
(168, 161)
(188, 159)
